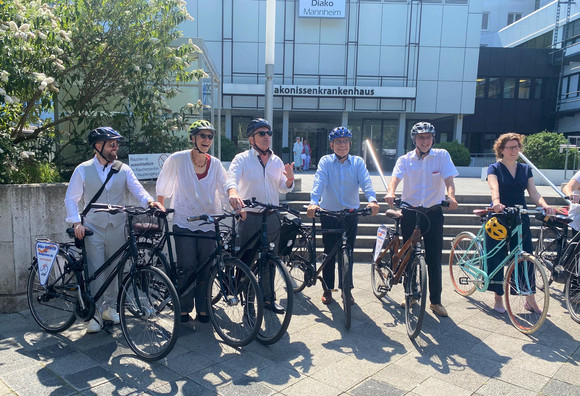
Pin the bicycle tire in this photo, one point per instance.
(298, 261)
(381, 272)
(346, 264)
(147, 255)
(521, 315)
(273, 327)
(236, 308)
(572, 291)
(415, 300)
(149, 312)
(464, 247)
(53, 306)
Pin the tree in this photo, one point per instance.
(460, 154)
(543, 149)
(98, 62)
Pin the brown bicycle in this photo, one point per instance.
(406, 263)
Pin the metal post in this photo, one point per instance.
(269, 66)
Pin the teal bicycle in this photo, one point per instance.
(525, 279)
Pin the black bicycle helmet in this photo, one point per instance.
(255, 124)
(200, 125)
(102, 134)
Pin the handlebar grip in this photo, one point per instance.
(445, 204)
(248, 202)
(202, 217)
(294, 212)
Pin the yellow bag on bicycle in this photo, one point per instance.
(496, 228)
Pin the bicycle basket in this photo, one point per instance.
(288, 231)
(146, 226)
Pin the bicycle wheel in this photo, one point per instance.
(278, 300)
(572, 291)
(381, 273)
(147, 255)
(53, 305)
(236, 302)
(346, 263)
(525, 280)
(149, 313)
(298, 262)
(415, 295)
(464, 249)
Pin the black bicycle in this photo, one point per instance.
(59, 290)
(235, 303)
(561, 257)
(271, 273)
(302, 259)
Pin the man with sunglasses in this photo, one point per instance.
(337, 181)
(108, 230)
(259, 173)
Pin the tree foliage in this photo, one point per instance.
(91, 63)
(460, 154)
(543, 149)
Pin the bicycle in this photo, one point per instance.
(525, 275)
(405, 263)
(235, 303)
(272, 276)
(561, 258)
(58, 290)
(302, 260)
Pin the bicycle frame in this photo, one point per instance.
(340, 243)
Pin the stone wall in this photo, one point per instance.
(28, 212)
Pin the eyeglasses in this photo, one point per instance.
(263, 133)
(511, 148)
(204, 136)
(341, 141)
(112, 143)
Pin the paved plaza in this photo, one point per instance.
(473, 352)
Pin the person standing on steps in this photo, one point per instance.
(426, 174)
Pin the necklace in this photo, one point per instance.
(196, 164)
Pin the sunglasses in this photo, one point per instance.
(112, 144)
(263, 133)
(204, 136)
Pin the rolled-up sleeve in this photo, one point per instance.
(137, 189)
(365, 182)
(320, 181)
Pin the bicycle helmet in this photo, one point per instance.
(339, 132)
(422, 127)
(496, 229)
(102, 134)
(255, 124)
(200, 125)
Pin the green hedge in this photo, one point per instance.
(458, 152)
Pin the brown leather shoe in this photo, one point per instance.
(327, 297)
(439, 310)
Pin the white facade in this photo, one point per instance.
(419, 57)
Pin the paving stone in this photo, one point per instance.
(72, 363)
(496, 387)
(373, 387)
(182, 387)
(559, 388)
(115, 387)
(434, 387)
(89, 378)
(311, 387)
(520, 376)
(247, 386)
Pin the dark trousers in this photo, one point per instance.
(433, 240)
(495, 260)
(192, 252)
(330, 239)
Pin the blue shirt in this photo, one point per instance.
(511, 189)
(336, 185)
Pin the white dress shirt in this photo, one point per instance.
(247, 175)
(423, 179)
(75, 189)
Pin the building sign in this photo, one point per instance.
(147, 166)
(329, 91)
(322, 8)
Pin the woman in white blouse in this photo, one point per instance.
(195, 181)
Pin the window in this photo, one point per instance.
(513, 17)
(494, 87)
(509, 88)
(485, 21)
(537, 88)
(480, 88)
(524, 85)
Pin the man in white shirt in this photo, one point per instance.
(427, 173)
(109, 230)
(259, 173)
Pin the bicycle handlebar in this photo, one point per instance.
(344, 212)
(399, 203)
(213, 219)
(253, 203)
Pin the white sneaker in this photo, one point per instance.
(94, 325)
(111, 314)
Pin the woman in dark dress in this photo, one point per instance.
(508, 180)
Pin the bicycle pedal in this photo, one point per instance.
(384, 289)
(463, 280)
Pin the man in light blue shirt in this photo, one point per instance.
(336, 187)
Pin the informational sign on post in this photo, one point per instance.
(147, 166)
(322, 9)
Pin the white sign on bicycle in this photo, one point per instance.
(46, 252)
(381, 234)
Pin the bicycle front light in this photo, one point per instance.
(272, 246)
